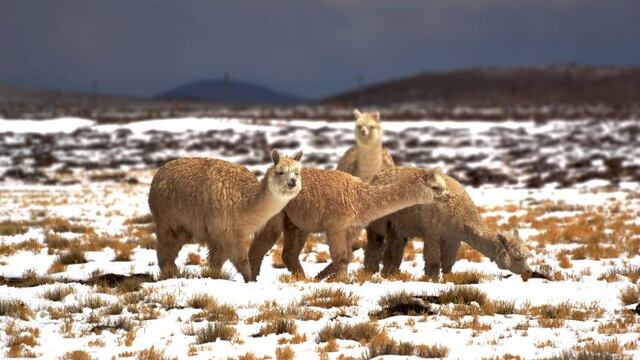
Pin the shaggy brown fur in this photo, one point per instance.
(367, 157)
(442, 225)
(335, 202)
(218, 204)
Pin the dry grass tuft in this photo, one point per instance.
(193, 259)
(631, 272)
(564, 262)
(357, 332)
(202, 301)
(57, 293)
(611, 346)
(211, 333)
(139, 220)
(401, 303)
(465, 277)
(285, 353)
(10, 228)
(16, 309)
(323, 257)
(501, 307)
(219, 274)
(270, 311)
(382, 344)
(630, 295)
(30, 278)
(56, 267)
(328, 298)
(73, 256)
(76, 355)
(293, 278)
(20, 340)
(462, 295)
(152, 354)
(32, 245)
(123, 250)
(553, 316)
(217, 312)
(279, 326)
(92, 302)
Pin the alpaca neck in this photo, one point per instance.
(261, 207)
(386, 199)
(483, 239)
(369, 160)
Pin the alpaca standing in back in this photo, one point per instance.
(442, 225)
(335, 202)
(218, 204)
(368, 156)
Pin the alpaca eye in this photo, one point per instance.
(280, 172)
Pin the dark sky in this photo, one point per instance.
(305, 47)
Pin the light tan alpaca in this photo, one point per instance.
(335, 202)
(218, 204)
(442, 225)
(368, 156)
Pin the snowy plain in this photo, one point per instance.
(582, 201)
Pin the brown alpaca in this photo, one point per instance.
(367, 157)
(442, 225)
(335, 202)
(218, 204)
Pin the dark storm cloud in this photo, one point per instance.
(308, 47)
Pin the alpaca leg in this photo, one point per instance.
(431, 254)
(341, 255)
(169, 246)
(216, 257)
(294, 239)
(262, 243)
(392, 258)
(240, 259)
(373, 252)
(448, 254)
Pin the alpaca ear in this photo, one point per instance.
(376, 116)
(357, 113)
(275, 156)
(515, 233)
(297, 155)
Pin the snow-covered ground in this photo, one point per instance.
(585, 236)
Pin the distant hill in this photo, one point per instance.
(503, 87)
(230, 92)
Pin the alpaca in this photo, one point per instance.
(336, 203)
(442, 225)
(218, 204)
(368, 156)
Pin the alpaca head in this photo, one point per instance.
(513, 255)
(284, 175)
(367, 129)
(431, 185)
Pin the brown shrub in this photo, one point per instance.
(462, 295)
(279, 326)
(193, 259)
(211, 333)
(328, 298)
(357, 332)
